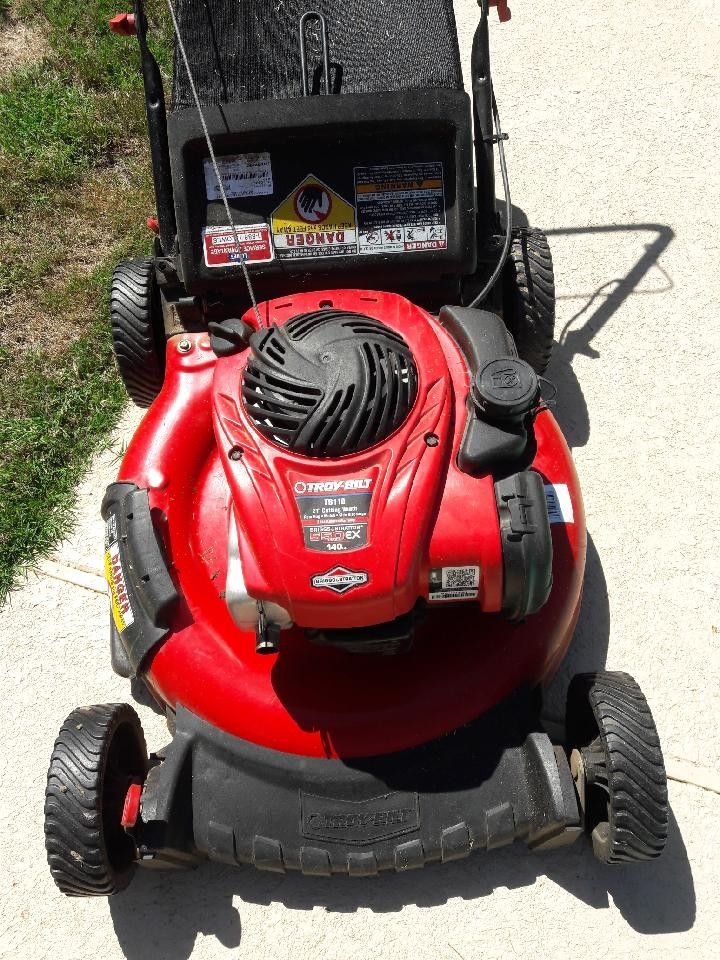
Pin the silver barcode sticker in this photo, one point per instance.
(242, 175)
(454, 583)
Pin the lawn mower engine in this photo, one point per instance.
(335, 429)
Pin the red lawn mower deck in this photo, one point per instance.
(346, 546)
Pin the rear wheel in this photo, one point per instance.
(100, 751)
(617, 764)
(529, 297)
(137, 329)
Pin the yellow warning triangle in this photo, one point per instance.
(311, 207)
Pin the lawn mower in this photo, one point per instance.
(346, 546)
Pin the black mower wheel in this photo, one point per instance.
(618, 767)
(137, 329)
(99, 752)
(529, 297)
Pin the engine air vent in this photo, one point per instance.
(329, 383)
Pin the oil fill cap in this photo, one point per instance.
(505, 389)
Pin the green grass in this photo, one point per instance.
(83, 47)
(70, 126)
(53, 131)
(51, 425)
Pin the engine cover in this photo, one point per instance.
(336, 432)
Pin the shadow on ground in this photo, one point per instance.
(161, 914)
(575, 338)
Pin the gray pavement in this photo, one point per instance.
(612, 112)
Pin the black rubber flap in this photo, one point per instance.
(142, 593)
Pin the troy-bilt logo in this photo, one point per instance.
(332, 486)
(359, 821)
(331, 821)
(339, 579)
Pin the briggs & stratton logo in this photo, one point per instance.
(339, 579)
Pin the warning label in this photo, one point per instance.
(454, 583)
(314, 221)
(334, 514)
(242, 175)
(227, 246)
(119, 599)
(400, 208)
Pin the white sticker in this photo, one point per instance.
(454, 583)
(559, 504)
(242, 175)
(400, 208)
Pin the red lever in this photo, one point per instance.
(153, 224)
(131, 807)
(503, 10)
(124, 24)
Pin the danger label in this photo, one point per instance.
(119, 600)
(314, 221)
(228, 246)
(335, 513)
(242, 175)
(400, 208)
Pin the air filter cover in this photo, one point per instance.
(329, 383)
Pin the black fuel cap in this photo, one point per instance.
(505, 389)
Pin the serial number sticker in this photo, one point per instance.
(559, 504)
(242, 175)
(454, 583)
(400, 208)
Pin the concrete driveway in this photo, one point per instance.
(612, 113)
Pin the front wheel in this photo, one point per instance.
(618, 767)
(100, 751)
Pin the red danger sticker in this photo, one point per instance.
(228, 246)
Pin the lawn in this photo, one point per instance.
(75, 190)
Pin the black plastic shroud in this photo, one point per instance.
(329, 383)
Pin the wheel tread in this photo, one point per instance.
(637, 782)
(530, 297)
(74, 835)
(134, 329)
